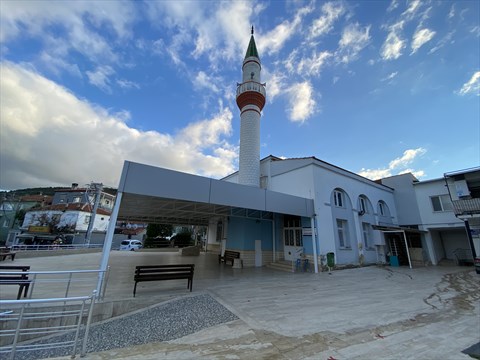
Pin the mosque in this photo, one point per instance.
(276, 209)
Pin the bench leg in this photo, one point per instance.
(135, 289)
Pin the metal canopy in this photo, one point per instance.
(156, 195)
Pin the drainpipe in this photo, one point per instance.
(314, 243)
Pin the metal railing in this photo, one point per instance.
(62, 282)
(23, 320)
(21, 247)
(466, 206)
(251, 86)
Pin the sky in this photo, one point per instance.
(378, 88)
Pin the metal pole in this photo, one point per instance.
(108, 241)
(470, 238)
(274, 257)
(408, 252)
(91, 223)
(314, 243)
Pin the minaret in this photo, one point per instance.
(250, 100)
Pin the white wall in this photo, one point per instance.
(429, 218)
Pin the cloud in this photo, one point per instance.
(420, 38)
(396, 166)
(472, 86)
(100, 77)
(353, 40)
(390, 76)
(394, 44)
(331, 11)
(51, 137)
(274, 40)
(65, 26)
(302, 104)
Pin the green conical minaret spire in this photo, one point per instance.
(252, 48)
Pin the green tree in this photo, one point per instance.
(162, 230)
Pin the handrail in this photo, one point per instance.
(54, 322)
(36, 277)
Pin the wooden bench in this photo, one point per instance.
(228, 256)
(163, 272)
(6, 252)
(16, 275)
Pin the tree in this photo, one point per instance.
(162, 230)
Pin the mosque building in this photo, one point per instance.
(277, 210)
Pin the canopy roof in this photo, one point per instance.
(156, 195)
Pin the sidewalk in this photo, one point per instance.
(365, 313)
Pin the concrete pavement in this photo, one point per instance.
(365, 313)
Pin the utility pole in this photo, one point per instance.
(98, 191)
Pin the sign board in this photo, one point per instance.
(39, 229)
(307, 231)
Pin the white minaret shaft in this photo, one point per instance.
(250, 100)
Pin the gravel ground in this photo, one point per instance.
(165, 322)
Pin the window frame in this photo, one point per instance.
(442, 199)
(338, 198)
(343, 235)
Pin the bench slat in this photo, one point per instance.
(163, 272)
(16, 275)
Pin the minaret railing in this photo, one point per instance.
(251, 86)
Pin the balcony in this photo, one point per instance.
(466, 206)
(251, 86)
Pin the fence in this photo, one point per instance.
(60, 283)
(22, 320)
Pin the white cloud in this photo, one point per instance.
(390, 76)
(397, 166)
(77, 21)
(472, 86)
(100, 77)
(413, 7)
(275, 84)
(394, 44)
(313, 65)
(354, 39)
(420, 38)
(331, 11)
(393, 5)
(51, 137)
(127, 84)
(302, 104)
(451, 13)
(274, 40)
(203, 81)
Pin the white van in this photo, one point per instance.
(130, 245)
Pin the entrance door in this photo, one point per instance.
(293, 244)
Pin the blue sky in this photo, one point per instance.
(376, 87)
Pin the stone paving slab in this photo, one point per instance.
(366, 313)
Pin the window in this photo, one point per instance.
(441, 203)
(366, 228)
(338, 198)
(292, 231)
(342, 231)
(6, 222)
(76, 199)
(87, 219)
(363, 205)
(381, 208)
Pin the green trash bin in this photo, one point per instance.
(330, 260)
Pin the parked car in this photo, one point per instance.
(130, 245)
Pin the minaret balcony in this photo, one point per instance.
(251, 86)
(251, 93)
